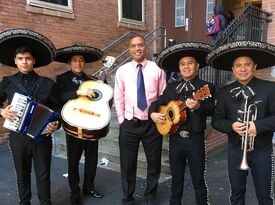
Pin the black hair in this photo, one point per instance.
(24, 49)
(135, 35)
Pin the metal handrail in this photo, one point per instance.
(126, 50)
(244, 24)
(118, 40)
(251, 24)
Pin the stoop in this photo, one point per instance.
(108, 152)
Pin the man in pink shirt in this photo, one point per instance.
(137, 84)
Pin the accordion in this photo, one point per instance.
(32, 117)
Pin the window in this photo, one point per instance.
(59, 5)
(209, 9)
(180, 7)
(131, 12)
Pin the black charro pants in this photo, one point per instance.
(75, 148)
(131, 134)
(192, 151)
(260, 163)
(26, 150)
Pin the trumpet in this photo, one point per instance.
(250, 114)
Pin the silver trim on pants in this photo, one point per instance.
(184, 134)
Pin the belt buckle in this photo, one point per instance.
(184, 134)
(136, 122)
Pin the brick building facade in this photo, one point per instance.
(94, 23)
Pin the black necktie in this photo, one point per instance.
(141, 97)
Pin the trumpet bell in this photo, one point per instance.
(243, 166)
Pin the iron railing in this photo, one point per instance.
(252, 25)
(151, 37)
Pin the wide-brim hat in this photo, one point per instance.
(43, 49)
(90, 54)
(222, 58)
(169, 58)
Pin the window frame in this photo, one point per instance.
(52, 6)
(209, 13)
(122, 20)
(184, 15)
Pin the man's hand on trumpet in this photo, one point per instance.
(252, 131)
(240, 128)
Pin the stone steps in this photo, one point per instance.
(112, 154)
(109, 149)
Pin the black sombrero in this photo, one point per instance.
(89, 53)
(42, 47)
(222, 57)
(168, 59)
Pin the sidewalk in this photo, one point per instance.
(108, 183)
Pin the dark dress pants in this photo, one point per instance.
(25, 150)
(192, 151)
(130, 136)
(260, 163)
(75, 148)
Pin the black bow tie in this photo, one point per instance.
(185, 87)
(242, 93)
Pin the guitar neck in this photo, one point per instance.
(182, 105)
(200, 95)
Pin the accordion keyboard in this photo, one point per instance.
(18, 104)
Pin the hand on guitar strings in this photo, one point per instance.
(86, 92)
(192, 104)
(158, 117)
(52, 126)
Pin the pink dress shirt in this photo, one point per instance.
(125, 93)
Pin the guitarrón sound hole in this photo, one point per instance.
(98, 95)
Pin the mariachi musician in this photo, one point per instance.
(67, 88)
(245, 111)
(187, 143)
(25, 50)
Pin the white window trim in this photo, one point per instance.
(182, 25)
(47, 5)
(122, 20)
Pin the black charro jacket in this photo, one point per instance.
(38, 87)
(65, 89)
(227, 111)
(196, 119)
(44, 94)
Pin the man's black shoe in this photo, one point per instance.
(130, 201)
(93, 193)
(75, 199)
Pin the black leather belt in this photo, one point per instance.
(137, 122)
